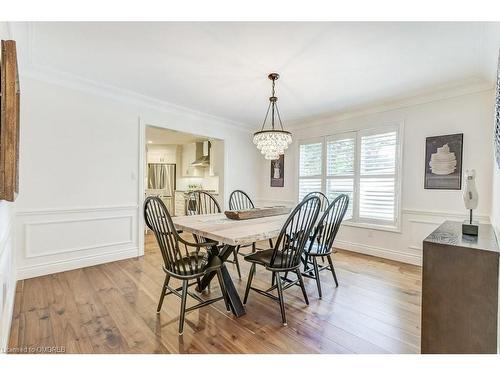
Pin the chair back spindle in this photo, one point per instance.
(178, 259)
(239, 200)
(204, 203)
(294, 234)
(328, 225)
(322, 197)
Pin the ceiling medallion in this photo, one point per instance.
(273, 142)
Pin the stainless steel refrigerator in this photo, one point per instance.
(161, 182)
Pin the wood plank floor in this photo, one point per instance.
(111, 308)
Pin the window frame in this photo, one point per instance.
(355, 221)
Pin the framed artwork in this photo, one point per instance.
(9, 122)
(278, 172)
(443, 162)
(497, 117)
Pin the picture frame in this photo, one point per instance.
(497, 116)
(443, 162)
(278, 172)
(9, 122)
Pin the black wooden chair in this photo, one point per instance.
(181, 259)
(202, 203)
(324, 204)
(286, 254)
(239, 200)
(321, 242)
(322, 197)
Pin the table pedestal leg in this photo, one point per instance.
(234, 298)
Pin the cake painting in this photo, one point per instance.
(443, 162)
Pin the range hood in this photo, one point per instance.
(202, 154)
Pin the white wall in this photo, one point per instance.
(422, 210)
(495, 221)
(79, 183)
(7, 268)
(495, 203)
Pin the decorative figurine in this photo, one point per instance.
(471, 200)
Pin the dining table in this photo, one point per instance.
(229, 234)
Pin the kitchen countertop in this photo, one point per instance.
(213, 192)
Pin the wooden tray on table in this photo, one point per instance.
(254, 213)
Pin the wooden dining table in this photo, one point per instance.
(230, 234)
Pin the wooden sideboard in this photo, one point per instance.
(460, 291)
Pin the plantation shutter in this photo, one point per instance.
(377, 177)
(341, 161)
(310, 168)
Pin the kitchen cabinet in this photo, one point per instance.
(162, 154)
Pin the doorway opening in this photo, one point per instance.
(176, 163)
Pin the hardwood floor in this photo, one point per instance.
(111, 308)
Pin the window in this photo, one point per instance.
(340, 162)
(310, 169)
(363, 165)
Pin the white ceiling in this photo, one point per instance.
(221, 68)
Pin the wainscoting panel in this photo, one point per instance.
(57, 240)
(423, 223)
(404, 246)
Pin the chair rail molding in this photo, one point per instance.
(404, 245)
(49, 211)
(57, 239)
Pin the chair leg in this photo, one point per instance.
(185, 284)
(306, 265)
(163, 291)
(281, 300)
(333, 270)
(286, 276)
(223, 289)
(302, 286)
(254, 248)
(316, 274)
(235, 252)
(249, 282)
(271, 243)
(273, 279)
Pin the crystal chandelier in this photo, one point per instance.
(272, 143)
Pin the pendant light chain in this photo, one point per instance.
(272, 99)
(265, 118)
(272, 143)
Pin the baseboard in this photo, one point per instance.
(380, 252)
(28, 272)
(496, 228)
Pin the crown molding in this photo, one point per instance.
(394, 104)
(75, 82)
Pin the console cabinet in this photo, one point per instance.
(460, 291)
